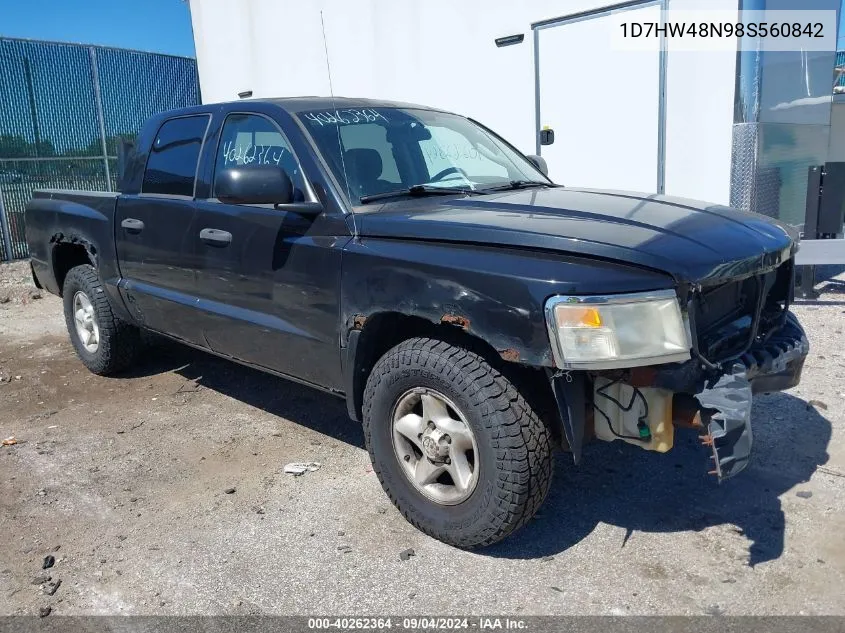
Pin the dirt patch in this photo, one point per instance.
(124, 482)
(16, 285)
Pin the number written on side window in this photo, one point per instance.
(249, 139)
(172, 164)
(448, 148)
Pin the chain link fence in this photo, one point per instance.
(64, 109)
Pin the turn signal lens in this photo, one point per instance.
(577, 316)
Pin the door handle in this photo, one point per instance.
(216, 237)
(132, 225)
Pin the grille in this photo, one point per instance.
(730, 317)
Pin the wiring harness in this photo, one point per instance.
(642, 425)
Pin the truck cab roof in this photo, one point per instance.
(295, 105)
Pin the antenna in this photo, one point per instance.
(337, 125)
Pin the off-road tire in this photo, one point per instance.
(514, 445)
(120, 342)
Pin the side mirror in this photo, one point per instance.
(539, 162)
(547, 136)
(256, 184)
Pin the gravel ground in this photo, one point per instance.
(124, 482)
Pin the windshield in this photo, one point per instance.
(384, 150)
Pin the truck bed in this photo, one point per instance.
(62, 216)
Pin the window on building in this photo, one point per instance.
(172, 164)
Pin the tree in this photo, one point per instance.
(95, 148)
(15, 146)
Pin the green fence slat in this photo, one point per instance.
(50, 123)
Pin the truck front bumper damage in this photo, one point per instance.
(774, 365)
(716, 403)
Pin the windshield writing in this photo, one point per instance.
(376, 151)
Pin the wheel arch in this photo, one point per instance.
(67, 253)
(374, 336)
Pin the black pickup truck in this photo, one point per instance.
(472, 313)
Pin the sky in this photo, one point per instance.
(158, 26)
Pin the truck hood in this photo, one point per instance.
(692, 241)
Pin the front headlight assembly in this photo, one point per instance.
(617, 331)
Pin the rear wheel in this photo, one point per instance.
(103, 342)
(456, 447)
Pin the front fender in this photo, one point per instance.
(496, 294)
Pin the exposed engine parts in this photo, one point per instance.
(641, 416)
(643, 406)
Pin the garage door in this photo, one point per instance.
(603, 104)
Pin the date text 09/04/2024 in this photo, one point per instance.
(417, 623)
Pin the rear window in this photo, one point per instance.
(172, 164)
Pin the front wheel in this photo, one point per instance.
(103, 342)
(456, 447)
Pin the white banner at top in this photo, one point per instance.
(722, 31)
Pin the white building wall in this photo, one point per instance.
(699, 117)
(442, 53)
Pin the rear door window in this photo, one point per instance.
(172, 163)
